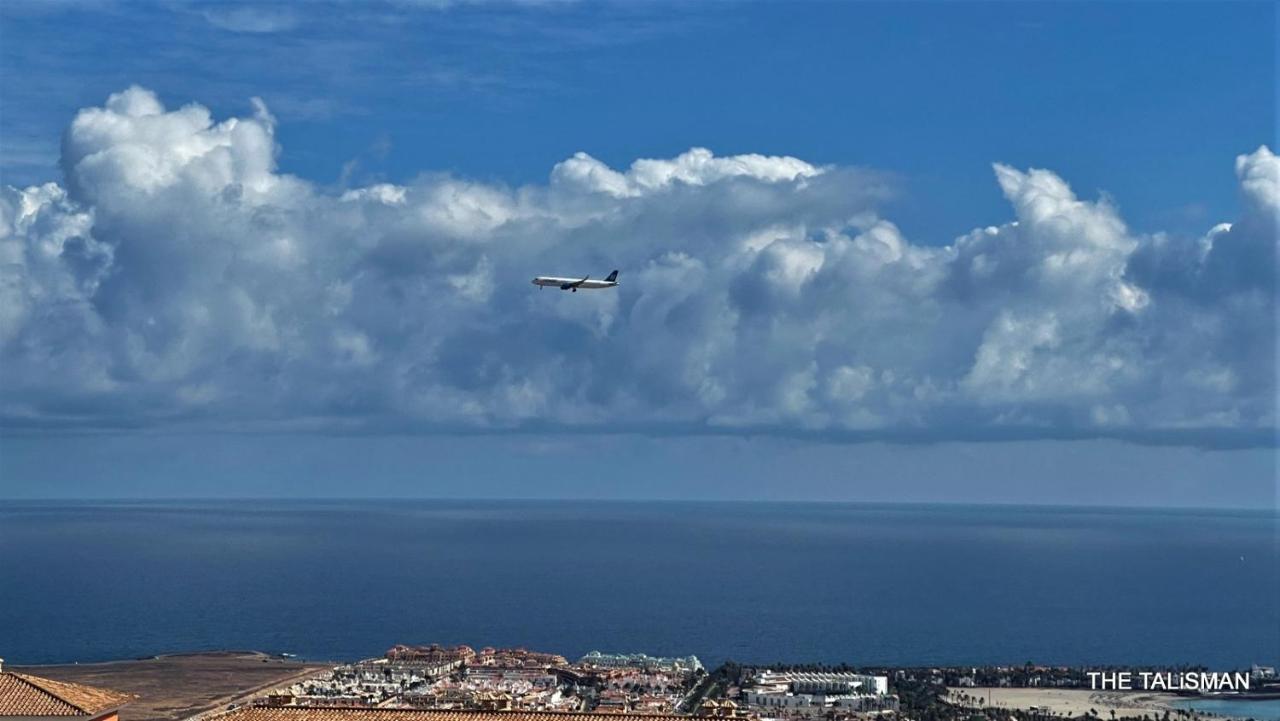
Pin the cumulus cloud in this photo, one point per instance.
(176, 277)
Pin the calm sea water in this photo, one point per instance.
(753, 582)
(1261, 710)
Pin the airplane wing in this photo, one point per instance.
(573, 285)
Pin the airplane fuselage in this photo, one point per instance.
(573, 284)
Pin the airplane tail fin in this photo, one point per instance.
(612, 276)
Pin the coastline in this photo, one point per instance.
(1084, 702)
(189, 685)
(1069, 701)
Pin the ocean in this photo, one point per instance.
(1259, 710)
(753, 582)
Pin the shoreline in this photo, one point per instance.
(1069, 701)
(220, 653)
(1077, 702)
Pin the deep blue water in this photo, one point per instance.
(749, 581)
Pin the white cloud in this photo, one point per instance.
(697, 166)
(1259, 174)
(179, 277)
(252, 19)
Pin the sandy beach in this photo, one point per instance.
(1072, 702)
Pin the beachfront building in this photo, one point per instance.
(32, 698)
(803, 693)
(811, 682)
(674, 664)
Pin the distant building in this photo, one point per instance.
(812, 693)
(516, 657)
(596, 659)
(431, 655)
(32, 698)
(723, 709)
(493, 701)
(453, 657)
(534, 676)
(305, 713)
(613, 701)
(810, 682)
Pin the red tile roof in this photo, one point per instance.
(23, 695)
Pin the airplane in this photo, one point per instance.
(574, 284)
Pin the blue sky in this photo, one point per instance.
(281, 275)
(1140, 99)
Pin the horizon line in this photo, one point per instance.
(1273, 510)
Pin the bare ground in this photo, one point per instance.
(180, 686)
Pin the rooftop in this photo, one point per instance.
(24, 695)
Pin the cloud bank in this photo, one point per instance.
(177, 278)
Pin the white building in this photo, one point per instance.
(805, 692)
(811, 682)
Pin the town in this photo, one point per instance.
(460, 683)
(461, 678)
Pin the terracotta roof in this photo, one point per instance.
(23, 695)
(313, 713)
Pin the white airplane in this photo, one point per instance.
(574, 284)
